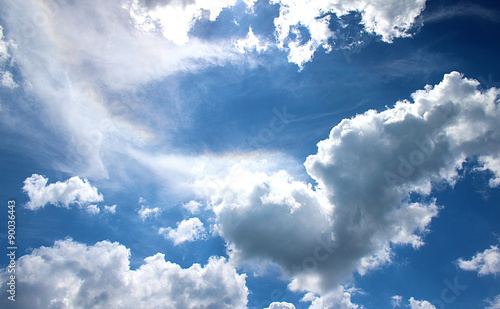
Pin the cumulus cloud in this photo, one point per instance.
(493, 304)
(420, 304)
(174, 19)
(485, 263)
(281, 305)
(187, 230)
(250, 43)
(93, 209)
(365, 172)
(72, 191)
(110, 209)
(192, 206)
(146, 212)
(74, 275)
(335, 299)
(387, 19)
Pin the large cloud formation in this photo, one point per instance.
(365, 172)
(74, 275)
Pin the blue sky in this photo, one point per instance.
(251, 154)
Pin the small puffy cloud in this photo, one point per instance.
(338, 298)
(192, 206)
(146, 212)
(75, 275)
(387, 19)
(280, 305)
(249, 43)
(365, 173)
(420, 304)
(493, 304)
(110, 209)
(485, 263)
(74, 190)
(93, 209)
(396, 301)
(187, 230)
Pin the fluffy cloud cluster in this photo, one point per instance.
(187, 230)
(485, 263)
(388, 19)
(250, 43)
(281, 305)
(74, 275)
(420, 304)
(365, 172)
(337, 298)
(72, 191)
(192, 206)
(146, 212)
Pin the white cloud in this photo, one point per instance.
(146, 212)
(74, 275)
(4, 47)
(187, 230)
(396, 301)
(335, 299)
(420, 304)
(174, 19)
(491, 163)
(250, 43)
(73, 190)
(88, 85)
(110, 209)
(93, 209)
(192, 206)
(280, 305)
(387, 19)
(365, 172)
(485, 263)
(8, 81)
(493, 304)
